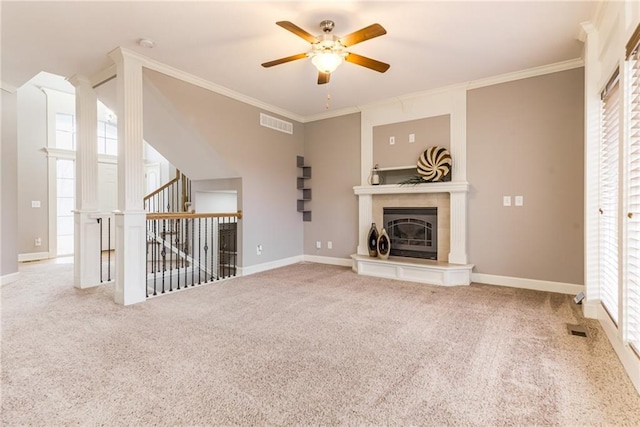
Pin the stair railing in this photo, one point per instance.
(174, 196)
(106, 254)
(189, 249)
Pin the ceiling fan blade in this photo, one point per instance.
(372, 64)
(283, 60)
(366, 33)
(290, 26)
(323, 77)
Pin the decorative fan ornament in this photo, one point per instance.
(434, 164)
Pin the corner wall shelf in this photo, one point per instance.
(300, 185)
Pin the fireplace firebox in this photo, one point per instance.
(413, 231)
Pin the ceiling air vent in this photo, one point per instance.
(276, 124)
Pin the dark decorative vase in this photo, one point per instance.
(384, 244)
(372, 240)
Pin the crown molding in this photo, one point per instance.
(525, 74)
(7, 87)
(103, 76)
(152, 64)
(110, 72)
(331, 114)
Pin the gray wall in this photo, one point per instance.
(173, 137)
(428, 132)
(32, 170)
(264, 158)
(332, 149)
(526, 138)
(9, 179)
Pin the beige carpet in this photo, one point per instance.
(304, 345)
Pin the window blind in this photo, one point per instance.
(632, 291)
(609, 187)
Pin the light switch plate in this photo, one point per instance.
(519, 200)
(506, 201)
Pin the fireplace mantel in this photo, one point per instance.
(432, 187)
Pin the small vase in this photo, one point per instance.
(372, 240)
(384, 244)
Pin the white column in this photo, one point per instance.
(130, 218)
(458, 230)
(86, 228)
(365, 210)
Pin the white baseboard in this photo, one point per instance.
(9, 278)
(536, 285)
(253, 269)
(33, 256)
(343, 262)
(628, 358)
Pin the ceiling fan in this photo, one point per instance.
(328, 50)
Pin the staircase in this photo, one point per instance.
(184, 248)
(174, 196)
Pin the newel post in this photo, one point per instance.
(130, 218)
(86, 256)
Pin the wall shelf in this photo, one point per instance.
(396, 174)
(301, 183)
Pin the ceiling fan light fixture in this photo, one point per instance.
(328, 51)
(327, 62)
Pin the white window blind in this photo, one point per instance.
(609, 179)
(632, 290)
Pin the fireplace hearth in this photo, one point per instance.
(413, 231)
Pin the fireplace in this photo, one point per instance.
(449, 199)
(413, 231)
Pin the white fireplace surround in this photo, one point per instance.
(457, 271)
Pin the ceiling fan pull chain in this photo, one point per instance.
(326, 106)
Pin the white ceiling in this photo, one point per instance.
(429, 44)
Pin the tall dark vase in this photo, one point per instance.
(384, 244)
(372, 240)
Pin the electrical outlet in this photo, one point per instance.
(506, 201)
(318, 244)
(38, 241)
(329, 244)
(412, 138)
(35, 203)
(392, 140)
(259, 250)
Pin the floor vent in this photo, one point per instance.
(276, 124)
(577, 330)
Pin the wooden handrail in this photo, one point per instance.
(167, 185)
(186, 215)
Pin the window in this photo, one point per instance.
(66, 134)
(609, 188)
(65, 131)
(65, 201)
(631, 290)
(107, 138)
